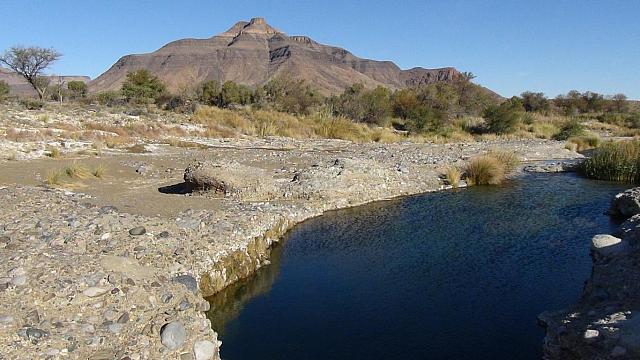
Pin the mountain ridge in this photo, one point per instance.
(253, 52)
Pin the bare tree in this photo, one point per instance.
(30, 62)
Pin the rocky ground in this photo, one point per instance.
(605, 323)
(117, 266)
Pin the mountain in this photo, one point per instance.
(19, 86)
(254, 52)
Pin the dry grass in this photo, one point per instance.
(76, 171)
(99, 171)
(453, 175)
(581, 143)
(53, 152)
(54, 178)
(184, 144)
(485, 170)
(508, 159)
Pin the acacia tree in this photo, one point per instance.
(30, 62)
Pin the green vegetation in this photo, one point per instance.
(142, 87)
(30, 62)
(616, 161)
(32, 104)
(503, 118)
(4, 89)
(77, 89)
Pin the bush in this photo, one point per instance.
(32, 104)
(77, 89)
(615, 161)
(142, 87)
(503, 118)
(485, 170)
(452, 175)
(108, 98)
(582, 143)
(4, 89)
(571, 128)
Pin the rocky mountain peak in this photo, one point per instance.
(256, 26)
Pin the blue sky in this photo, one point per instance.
(542, 45)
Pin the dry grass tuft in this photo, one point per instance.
(53, 152)
(54, 178)
(485, 170)
(508, 159)
(76, 171)
(99, 171)
(453, 175)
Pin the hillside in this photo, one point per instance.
(254, 52)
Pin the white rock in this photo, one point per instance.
(591, 334)
(204, 350)
(94, 291)
(173, 335)
(607, 245)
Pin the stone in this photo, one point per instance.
(188, 281)
(627, 203)
(35, 334)
(138, 230)
(608, 245)
(124, 318)
(591, 334)
(173, 335)
(94, 291)
(204, 350)
(6, 319)
(115, 328)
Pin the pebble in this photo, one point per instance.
(138, 230)
(591, 334)
(204, 350)
(173, 335)
(94, 291)
(188, 281)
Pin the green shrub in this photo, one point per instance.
(77, 89)
(141, 86)
(4, 89)
(108, 98)
(503, 118)
(32, 104)
(572, 128)
(616, 161)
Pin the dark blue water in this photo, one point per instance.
(456, 275)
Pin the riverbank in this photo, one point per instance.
(605, 321)
(110, 267)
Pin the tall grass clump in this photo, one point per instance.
(76, 171)
(453, 176)
(581, 143)
(492, 168)
(615, 161)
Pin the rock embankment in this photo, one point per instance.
(605, 323)
(82, 279)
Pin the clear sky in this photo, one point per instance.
(541, 45)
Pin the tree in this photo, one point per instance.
(210, 92)
(233, 93)
(30, 62)
(503, 118)
(78, 89)
(142, 87)
(620, 103)
(288, 94)
(534, 102)
(4, 89)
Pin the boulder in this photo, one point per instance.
(207, 176)
(173, 335)
(604, 246)
(627, 203)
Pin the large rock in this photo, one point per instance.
(173, 335)
(627, 203)
(207, 176)
(607, 246)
